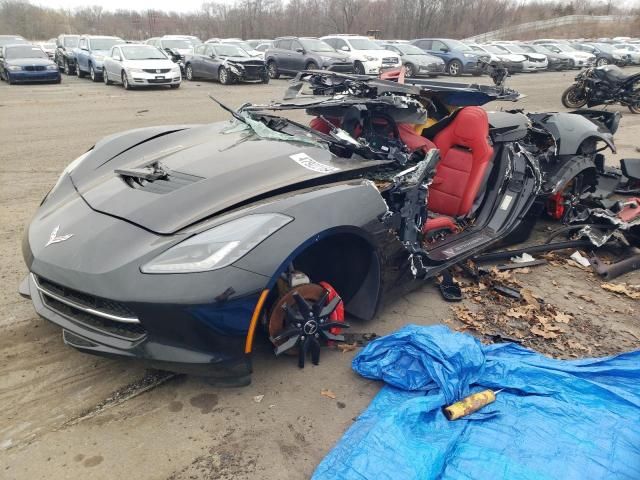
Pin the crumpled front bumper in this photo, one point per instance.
(166, 347)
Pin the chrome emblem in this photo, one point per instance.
(157, 71)
(54, 238)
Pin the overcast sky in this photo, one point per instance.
(165, 5)
(172, 5)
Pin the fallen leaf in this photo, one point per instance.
(328, 394)
(347, 347)
(528, 297)
(622, 289)
(562, 317)
(543, 333)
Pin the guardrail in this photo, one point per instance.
(513, 31)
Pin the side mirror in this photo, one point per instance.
(84, 48)
(444, 50)
(213, 55)
(344, 48)
(300, 50)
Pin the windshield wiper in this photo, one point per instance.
(233, 112)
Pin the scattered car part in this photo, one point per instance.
(449, 288)
(470, 404)
(614, 270)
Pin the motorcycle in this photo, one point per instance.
(604, 85)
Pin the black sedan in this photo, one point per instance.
(27, 63)
(225, 63)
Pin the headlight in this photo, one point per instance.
(14, 68)
(135, 70)
(469, 55)
(69, 168)
(218, 247)
(327, 59)
(370, 59)
(235, 69)
(52, 67)
(98, 57)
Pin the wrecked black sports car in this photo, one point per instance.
(175, 244)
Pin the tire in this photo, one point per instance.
(188, 71)
(272, 70)
(9, 79)
(65, 67)
(92, 73)
(454, 68)
(602, 61)
(59, 79)
(409, 70)
(80, 73)
(175, 85)
(635, 108)
(105, 77)
(358, 68)
(265, 78)
(573, 98)
(224, 76)
(311, 66)
(125, 81)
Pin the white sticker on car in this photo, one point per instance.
(506, 201)
(309, 163)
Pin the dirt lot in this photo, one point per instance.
(69, 415)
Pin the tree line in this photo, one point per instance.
(271, 18)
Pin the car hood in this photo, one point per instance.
(102, 53)
(377, 53)
(23, 62)
(537, 56)
(150, 64)
(514, 57)
(424, 59)
(253, 60)
(210, 170)
(336, 55)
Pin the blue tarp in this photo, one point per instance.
(554, 420)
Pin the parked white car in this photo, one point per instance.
(368, 56)
(496, 54)
(140, 65)
(580, 59)
(534, 61)
(632, 50)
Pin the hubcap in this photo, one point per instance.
(189, 73)
(453, 69)
(223, 76)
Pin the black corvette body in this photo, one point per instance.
(348, 219)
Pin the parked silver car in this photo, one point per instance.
(140, 65)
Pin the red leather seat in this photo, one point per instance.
(465, 155)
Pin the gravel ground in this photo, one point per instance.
(67, 415)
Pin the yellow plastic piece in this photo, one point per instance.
(469, 404)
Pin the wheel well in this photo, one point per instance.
(348, 263)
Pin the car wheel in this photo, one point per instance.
(265, 78)
(175, 85)
(9, 79)
(358, 68)
(93, 74)
(272, 70)
(79, 72)
(189, 72)
(105, 77)
(59, 79)
(224, 76)
(409, 70)
(311, 66)
(125, 81)
(454, 68)
(602, 61)
(574, 97)
(66, 68)
(634, 108)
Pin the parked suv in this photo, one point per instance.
(368, 56)
(458, 57)
(290, 55)
(90, 54)
(64, 55)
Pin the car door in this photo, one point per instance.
(210, 62)
(441, 50)
(113, 63)
(297, 57)
(82, 57)
(424, 45)
(196, 59)
(283, 55)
